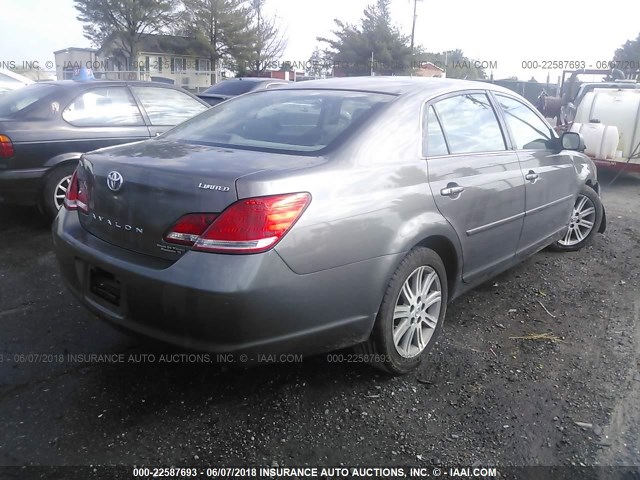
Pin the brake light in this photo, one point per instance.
(251, 225)
(6, 147)
(77, 197)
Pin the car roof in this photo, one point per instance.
(397, 85)
(75, 85)
(256, 79)
(89, 83)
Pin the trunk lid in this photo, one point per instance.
(158, 182)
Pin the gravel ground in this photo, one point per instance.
(485, 397)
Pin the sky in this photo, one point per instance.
(493, 31)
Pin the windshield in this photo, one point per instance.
(281, 120)
(231, 87)
(18, 100)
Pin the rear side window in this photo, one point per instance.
(103, 107)
(528, 130)
(232, 87)
(165, 106)
(16, 101)
(470, 124)
(433, 142)
(281, 120)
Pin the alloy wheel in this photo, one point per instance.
(417, 312)
(581, 223)
(61, 191)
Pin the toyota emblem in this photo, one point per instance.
(114, 181)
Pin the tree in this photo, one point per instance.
(124, 22)
(268, 40)
(376, 36)
(221, 27)
(319, 64)
(629, 53)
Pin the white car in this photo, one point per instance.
(12, 81)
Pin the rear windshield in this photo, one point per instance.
(16, 101)
(231, 87)
(281, 120)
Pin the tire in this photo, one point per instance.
(409, 349)
(54, 187)
(584, 222)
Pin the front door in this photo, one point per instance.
(550, 177)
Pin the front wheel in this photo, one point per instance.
(584, 222)
(411, 314)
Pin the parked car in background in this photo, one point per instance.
(323, 215)
(12, 81)
(237, 86)
(46, 127)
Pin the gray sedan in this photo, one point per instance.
(322, 215)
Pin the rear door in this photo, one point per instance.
(102, 117)
(550, 177)
(165, 107)
(476, 181)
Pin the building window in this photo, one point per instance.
(178, 65)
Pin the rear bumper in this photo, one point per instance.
(21, 187)
(225, 303)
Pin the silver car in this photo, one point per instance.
(322, 215)
(10, 80)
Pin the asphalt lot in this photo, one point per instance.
(484, 397)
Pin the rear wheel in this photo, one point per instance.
(55, 189)
(584, 222)
(411, 314)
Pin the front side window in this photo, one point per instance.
(528, 130)
(470, 124)
(290, 121)
(166, 106)
(433, 142)
(103, 107)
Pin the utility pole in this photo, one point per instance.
(413, 29)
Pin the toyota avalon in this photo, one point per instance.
(322, 215)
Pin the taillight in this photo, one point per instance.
(251, 225)
(6, 147)
(189, 228)
(77, 197)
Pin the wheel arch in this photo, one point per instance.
(450, 255)
(58, 161)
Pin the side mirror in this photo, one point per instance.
(572, 141)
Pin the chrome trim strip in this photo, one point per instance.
(497, 223)
(551, 204)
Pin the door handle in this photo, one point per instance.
(532, 176)
(451, 191)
